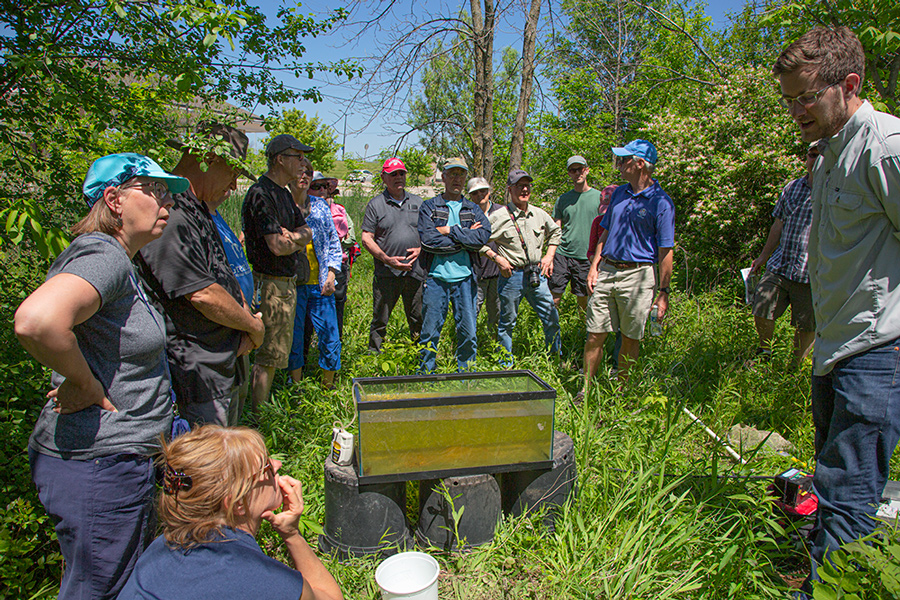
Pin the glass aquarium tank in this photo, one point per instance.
(432, 426)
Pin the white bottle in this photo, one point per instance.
(655, 326)
(341, 447)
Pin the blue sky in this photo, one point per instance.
(383, 130)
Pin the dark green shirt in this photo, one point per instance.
(576, 212)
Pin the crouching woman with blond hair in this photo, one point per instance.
(219, 485)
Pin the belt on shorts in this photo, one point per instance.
(291, 279)
(624, 265)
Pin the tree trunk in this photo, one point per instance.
(517, 145)
(483, 24)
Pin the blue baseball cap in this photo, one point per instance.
(115, 169)
(640, 148)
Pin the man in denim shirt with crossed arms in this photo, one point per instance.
(855, 277)
(452, 230)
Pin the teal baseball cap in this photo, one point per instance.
(115, 169)
(639, 148)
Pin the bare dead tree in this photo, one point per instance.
(529, 44)
(405, 45)
(483, 23)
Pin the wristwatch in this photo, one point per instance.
(666, 289)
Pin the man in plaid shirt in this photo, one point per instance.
(786, 281)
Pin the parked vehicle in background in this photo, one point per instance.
(363, 175)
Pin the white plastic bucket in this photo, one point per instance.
(408, 576)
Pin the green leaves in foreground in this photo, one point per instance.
(25, 220)
(868, 569)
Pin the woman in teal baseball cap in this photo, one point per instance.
(91, 323)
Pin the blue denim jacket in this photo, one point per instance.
(434, 213)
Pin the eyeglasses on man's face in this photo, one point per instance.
(319, 186)
(576, 169)
(621, 160)
(807, 100)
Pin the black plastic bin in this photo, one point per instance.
(361, 520)
(479, 494)
(526, 491)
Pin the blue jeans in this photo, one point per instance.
(856, 412)
(436, 295)
(322, 311)
(103, 513)
(511, 291)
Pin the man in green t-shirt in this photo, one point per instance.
(574, 212)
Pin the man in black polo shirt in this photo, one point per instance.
(188, 276)
(390, 233)
(275, 233)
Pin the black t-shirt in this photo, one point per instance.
(395, 228)
(267, 208)
(189, 257)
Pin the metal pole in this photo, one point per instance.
(713, 435)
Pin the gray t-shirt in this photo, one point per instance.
(124, 345)
(395, 227)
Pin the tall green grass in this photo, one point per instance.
(661, 511)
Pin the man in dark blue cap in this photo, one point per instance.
(276, 236)
(632, 265)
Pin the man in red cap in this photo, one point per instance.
(390, 233)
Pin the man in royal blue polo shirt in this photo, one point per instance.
(624, 278)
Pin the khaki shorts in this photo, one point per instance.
(774, 293)
(278, 304)
(621, 300)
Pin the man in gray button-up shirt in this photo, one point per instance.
(855, 277)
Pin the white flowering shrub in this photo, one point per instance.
(725, 161)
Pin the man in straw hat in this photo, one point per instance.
(187, 273)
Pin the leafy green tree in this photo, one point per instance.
(310, 131)
(418, 164)
(353, 162)
(751, 40)
(628, 58)
(80, 79)
(614, 66)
